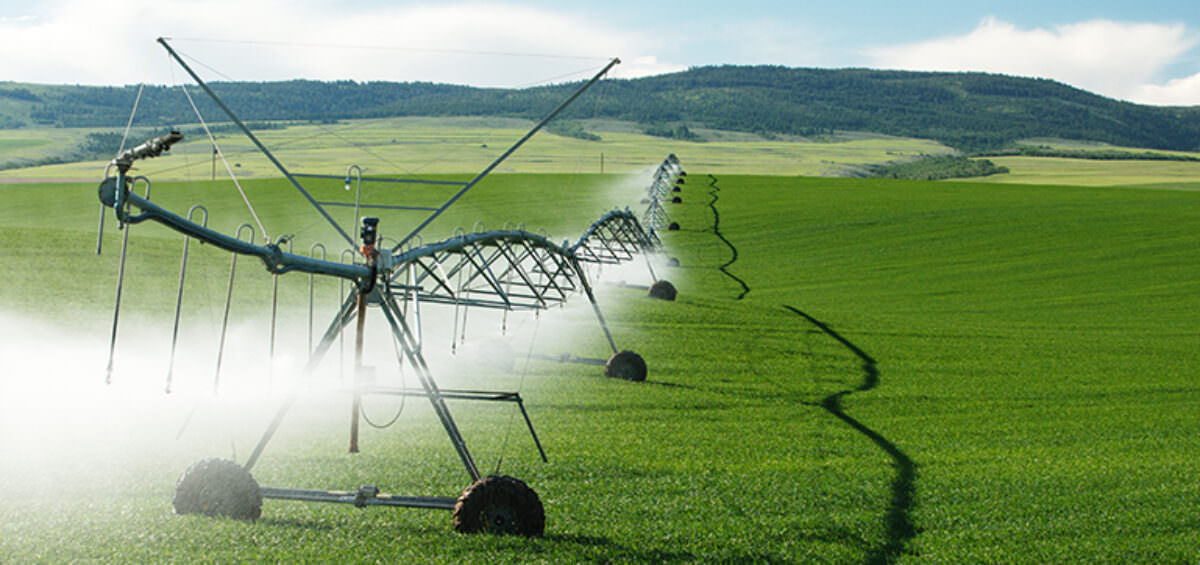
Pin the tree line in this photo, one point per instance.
(937, 167)
(972, 112)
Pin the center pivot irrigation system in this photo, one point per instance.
(505, 270)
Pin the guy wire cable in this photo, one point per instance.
(520, 387)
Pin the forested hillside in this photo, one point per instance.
(970, 111)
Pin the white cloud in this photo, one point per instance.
(773, 41)
(81, 41)
(1176, 92)
(647, 65)
(1116, 59)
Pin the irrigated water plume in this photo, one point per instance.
(61, 425)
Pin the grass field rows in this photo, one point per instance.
(418, 145)
(921, 372)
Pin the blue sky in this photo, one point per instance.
(1146, 52)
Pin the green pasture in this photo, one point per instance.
(1162, 174)
(23, 145)
(419, 145)
(920, 372)
(1176, 175)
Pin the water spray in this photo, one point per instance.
(507, 270)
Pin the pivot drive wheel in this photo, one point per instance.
(663, 290)
(218, 487)
(626, 365)
(500, 505)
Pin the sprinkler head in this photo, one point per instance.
(370, 231)
(151, 148)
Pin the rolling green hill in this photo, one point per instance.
(969, 111)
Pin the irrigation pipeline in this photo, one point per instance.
(898, 520)
(712, 183)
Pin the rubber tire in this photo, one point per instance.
(663, 290)
(677, 200)
(500, 505)
(218, 487)
(626, 365)
(674, 226)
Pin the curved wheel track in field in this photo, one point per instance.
(898, 520)
(712, 183)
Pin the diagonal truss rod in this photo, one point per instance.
(255, 140)
(404, 335)
(554, 286)
(435, 212)
(668, 174)
(507, 272)
(345, 314)
(395, 319)
(514, 269)
(615, 238)
(507, 153)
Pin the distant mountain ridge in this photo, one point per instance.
(969, 111)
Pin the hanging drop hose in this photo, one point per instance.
(179, 299)
(363, 413)
(112, 347)
(403, 398)
(228, 303)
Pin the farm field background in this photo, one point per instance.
(885, 371)
(424, 145)
(418, 146)
(1176, 175)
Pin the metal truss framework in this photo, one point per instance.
(666, 177)
(505, 270)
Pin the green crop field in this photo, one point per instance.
(1176, 175)
(26, 145)
(7, 145)
(855, 371)
(408, 146)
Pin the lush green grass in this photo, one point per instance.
(921, 372)
(1034, 348)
